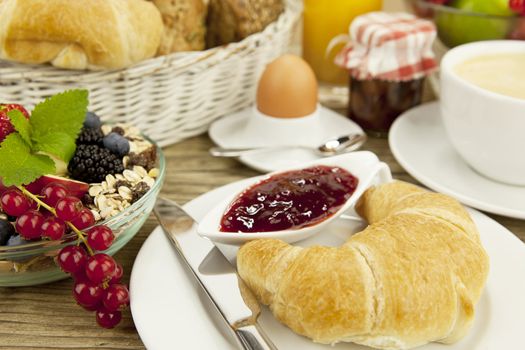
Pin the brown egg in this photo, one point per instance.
(287, 88)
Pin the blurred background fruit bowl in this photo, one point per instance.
(463, 21)
(34, 263)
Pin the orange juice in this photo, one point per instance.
(324, 20)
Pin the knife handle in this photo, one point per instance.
(253, 338)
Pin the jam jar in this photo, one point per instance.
(388, 56)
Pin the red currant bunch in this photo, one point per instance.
(96, 275)
(97, 284)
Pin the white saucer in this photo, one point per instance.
(229, 132)
(170, 310)
(419, 143)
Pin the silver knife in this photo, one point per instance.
(218, 278)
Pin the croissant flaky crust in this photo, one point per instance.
(87, 34)
(413, 276)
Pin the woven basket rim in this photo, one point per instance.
(177, 61)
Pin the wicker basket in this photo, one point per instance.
(170, 97)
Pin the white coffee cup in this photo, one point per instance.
(486, 128)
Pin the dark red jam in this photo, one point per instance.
(290, 200)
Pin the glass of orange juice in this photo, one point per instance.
(323, 21)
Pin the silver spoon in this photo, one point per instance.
(331, 147)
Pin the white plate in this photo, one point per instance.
(170, 311)
(419, 143)
(229, 132)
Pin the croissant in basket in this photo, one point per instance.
(88, 34)
(412, 277)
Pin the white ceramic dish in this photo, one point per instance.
(419, 143)
(363, 165)
(171, 312)
(248, 129)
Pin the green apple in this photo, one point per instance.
(489, 7)
(460, 28)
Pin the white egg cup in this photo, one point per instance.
(300, 131)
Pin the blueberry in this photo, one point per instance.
(6, 231)
(116, 143)
(92, 121)
(16, 240)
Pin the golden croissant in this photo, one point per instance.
(413, 276)
(94, 34)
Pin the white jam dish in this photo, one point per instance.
(364, 165)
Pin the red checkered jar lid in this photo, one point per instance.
(389, 46)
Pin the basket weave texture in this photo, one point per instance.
(170, 97)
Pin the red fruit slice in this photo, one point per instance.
(4, 108)
(75, 188)
(6, 127)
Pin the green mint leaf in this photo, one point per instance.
(63, 112)
(21, 124)
(58, 144)
(19, 165)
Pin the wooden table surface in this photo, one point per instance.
(46, 317)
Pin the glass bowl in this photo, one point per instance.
(34, 263)
(456, 26)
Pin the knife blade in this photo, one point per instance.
(232, 299)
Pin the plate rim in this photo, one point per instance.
(465, 199)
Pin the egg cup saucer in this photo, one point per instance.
(250, 128)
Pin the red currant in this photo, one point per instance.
(117, 276)
(115, 297)
(14, 203)
(108, 319)
(87, 293)
(100, 267)
(80, 275)
(29, 225)
(100, 237)
(84, 220)
(53, 192)
(72, 259)
(68, 208)
(53, 228)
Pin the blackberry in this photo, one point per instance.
(91, 163)
(90, 136)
